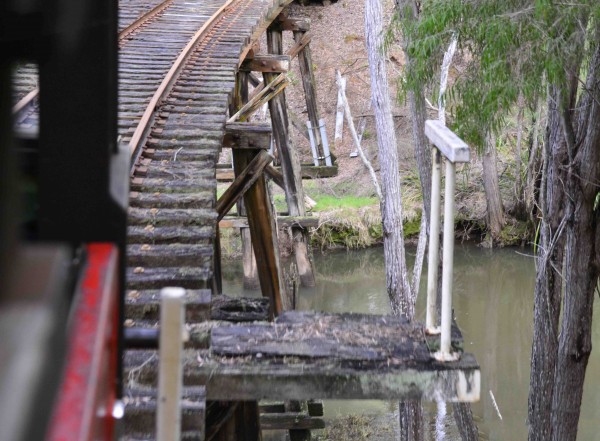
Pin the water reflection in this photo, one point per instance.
(493, 302)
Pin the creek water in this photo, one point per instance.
(493, 302)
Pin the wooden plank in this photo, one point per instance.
(267, 63)
(282, 221)
(290, 421)
(247, 135)
(249, 378)
(295, 120)
(242, 183)
(451, 146)
(239, 309)
(312, 172)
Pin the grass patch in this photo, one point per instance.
(326, 203)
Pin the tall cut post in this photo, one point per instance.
(434, 243)
(290, 166)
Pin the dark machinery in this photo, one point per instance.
(61, 254)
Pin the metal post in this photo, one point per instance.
(448, 258)
(313, 147)
(325, 143)
(168, 419)
(434, 243)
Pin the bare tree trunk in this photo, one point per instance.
(571, 229)
(531, 191)
(398, 285)
(548, 283)
(495, 210)
(582, 263)
(402, 298)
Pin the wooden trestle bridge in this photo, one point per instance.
(188, 87)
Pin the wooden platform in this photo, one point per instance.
(308, 355)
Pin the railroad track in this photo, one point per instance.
(176, 80)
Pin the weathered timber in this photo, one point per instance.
(241, 309)
(263, 233)
(140, 278)
(307, 171)
(140, 411)
(170, 217)
(164, 235)
(175, 254)
(273, 88)
(242, 183)
(145, 304)
(314, 408)
(250, 279)
(284, 22)
(379, 357)
(312, 172)
(295, 120)
(291, 421)
(292, 52)
(294, 193)
(310, 93)
(282, 221)
(246, 135)
(267, 63)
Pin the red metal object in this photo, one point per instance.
(83, 410)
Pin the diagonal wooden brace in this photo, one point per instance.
(242, 183)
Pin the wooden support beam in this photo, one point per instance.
(296, 122)
(293, 421)
(267, 63)
(294, 193)
(263, 233)
(282, 221)
(307, 171)
(292, 52)
(310, 93)
(242, 183)
(274, 87)
(246, 135)
(285, 23)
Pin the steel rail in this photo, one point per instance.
(166, 85)
(139, 22)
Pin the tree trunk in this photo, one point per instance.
(397, 282)
(402, 298)
(495, 210)
(559, 362)
(547, 294)
(520, 208)
(581, 261)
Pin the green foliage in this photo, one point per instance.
(326, 202)
(508, 48)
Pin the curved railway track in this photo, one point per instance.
(176, 79)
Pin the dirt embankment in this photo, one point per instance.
(338, 43)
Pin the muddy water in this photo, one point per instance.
(493, 301)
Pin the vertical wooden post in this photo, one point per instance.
(168, 419)
(263, 233)
(250, 281)
(290, 165)
(310, 93)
